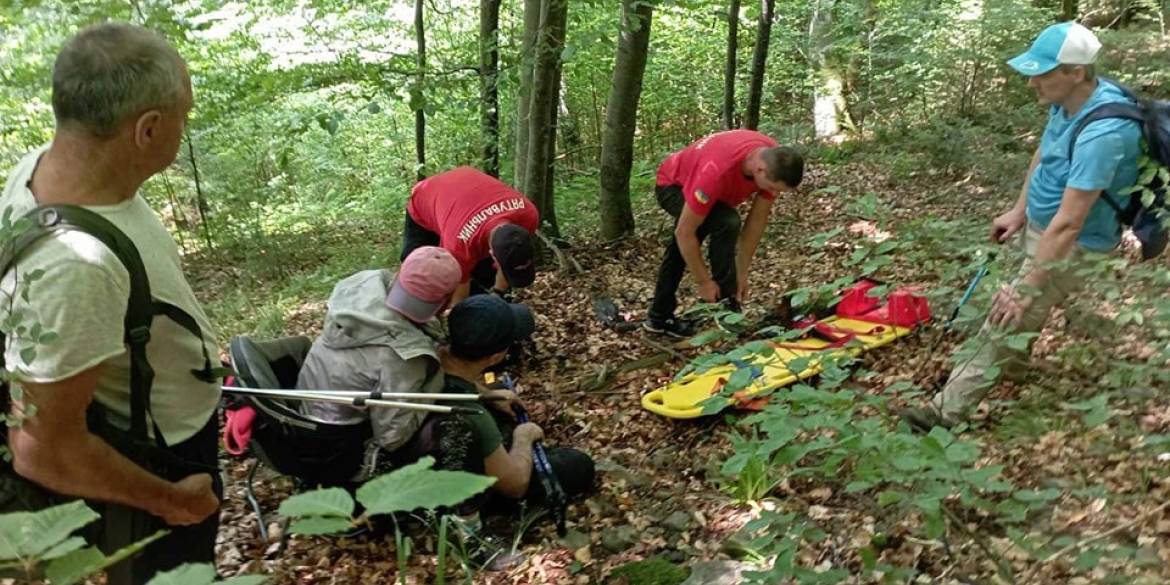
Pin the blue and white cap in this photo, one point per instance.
(1067, 43)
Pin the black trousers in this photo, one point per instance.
(184, 544)
(450, 439)
(414, 236)
(120, 526)
(722, 226)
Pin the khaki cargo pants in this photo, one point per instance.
(969, 381)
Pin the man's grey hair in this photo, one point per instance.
(1090, 70)
(109, 72)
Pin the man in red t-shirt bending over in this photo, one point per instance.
(482, 222)
(701, 186)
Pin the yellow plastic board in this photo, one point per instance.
(682, 398)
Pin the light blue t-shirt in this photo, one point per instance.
(1105, 158)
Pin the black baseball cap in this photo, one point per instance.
(482, 325)
(515, 252)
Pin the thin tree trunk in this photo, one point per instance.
(532, 20)
(200, 200)
(759, 60)
(828, 98)
(542, 129)
(419, 98)
(617, 145)
(729, 70)
(489, 63)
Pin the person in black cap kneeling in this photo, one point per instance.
(481, 329)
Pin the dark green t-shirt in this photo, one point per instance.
(487, 435)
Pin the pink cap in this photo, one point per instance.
(427, 279)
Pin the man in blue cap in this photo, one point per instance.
(1059, 216)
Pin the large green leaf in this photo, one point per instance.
(67, 546)
(328, 502)
(201, 574)
(320, 525)
(28, 534)
(189, 574)
(418, 486)
(75, 566)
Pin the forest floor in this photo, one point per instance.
(659, 491)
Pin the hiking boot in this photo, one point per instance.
(922, 420)
(671, 327)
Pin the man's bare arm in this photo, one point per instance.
(461, 292)
(55, 449)
(752, 233)
(687, 237)
(512, 469)
(1061, 236)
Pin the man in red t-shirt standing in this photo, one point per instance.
(701, 186)
(482, 222)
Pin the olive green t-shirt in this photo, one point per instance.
(487, 435)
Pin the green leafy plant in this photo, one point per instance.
(41, 543)
(413, 487)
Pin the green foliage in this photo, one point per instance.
(201, 575)
(414, 487)
(42, 542)
(651, 571)
(45, 533)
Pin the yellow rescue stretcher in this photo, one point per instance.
(861, 324)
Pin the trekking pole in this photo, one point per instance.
(376, 395)
(557, 501)
(351, 401)
(970, 289)
(991, 256)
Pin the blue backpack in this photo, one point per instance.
(1146, 211)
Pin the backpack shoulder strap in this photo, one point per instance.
(1125, 111)
(49, 219)
(1110, 110)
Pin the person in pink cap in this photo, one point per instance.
(381, 334)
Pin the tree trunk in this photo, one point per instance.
(489, 62)
(759, 59)
(532, 19)
(617, 145)
(1068, 9)
(418, 97)
(542, 128)
(828, 99)
(729, 70)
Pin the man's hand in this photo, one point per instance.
(527, 432)
(709, 291)
(194, 501)
(1007, 224)
(742, 288)
(1008, 307)
(502, 400)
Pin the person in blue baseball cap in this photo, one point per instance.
(1060, 216)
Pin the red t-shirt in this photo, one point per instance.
(462, 206)
(710, 170)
